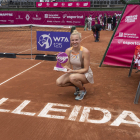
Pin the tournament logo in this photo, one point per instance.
(53, 41)
(45, 40)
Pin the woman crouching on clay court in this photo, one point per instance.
(78, 69)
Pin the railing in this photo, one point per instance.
(32, 3)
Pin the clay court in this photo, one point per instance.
(32, 107)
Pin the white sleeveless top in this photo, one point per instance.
(77, 63)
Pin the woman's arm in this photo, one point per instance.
(67, 65)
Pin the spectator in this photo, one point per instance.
(96, 20)
(86, 22)
(114, 21)
(101, 21)
(89, 22)
(105, 18)
(109, 22)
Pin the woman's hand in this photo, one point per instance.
(69, 71)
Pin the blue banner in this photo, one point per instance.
(53, 41)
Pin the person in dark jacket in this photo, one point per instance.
(114, 21)
(109, 22)
(104, 21)
(96, 31)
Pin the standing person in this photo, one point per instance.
(78, 67)
(114, 21)
(89, 22)
(86, 22)
(101, 22)
(96, 20)
(105, 18)
(109, 22)
(96, 31)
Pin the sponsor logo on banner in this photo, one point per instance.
(85, 4)
(49, 21)
(48, 4)
(120, 34)
(27, 17)
(12, 21)
(63, 4)
(55, 4)
(130, 19)
(76, 22)
(128, 35)
(36, 18)
(70, 4)
(3, 20)
(118, 15)
(65, 15)
(77, 4)
(6, 14)
(71, 17)
(56, 21)
(39, 4)
(121, 41)
(51, 16)
(53, 41)
(19, 17)
(131, 43)
(69, 21)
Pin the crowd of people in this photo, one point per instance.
(106, 23)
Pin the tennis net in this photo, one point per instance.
(21, 39)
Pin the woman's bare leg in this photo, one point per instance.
(78, 80)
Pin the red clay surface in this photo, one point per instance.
(113, 90)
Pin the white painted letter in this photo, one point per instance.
(74, 113)
(124, 114)
(1, 102)
(48, 108)
(86, 111)
(20, 107)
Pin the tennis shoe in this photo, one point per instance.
(81, 95)
(77, 91)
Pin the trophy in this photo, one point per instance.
(61, 58)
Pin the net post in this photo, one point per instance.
(31, 40)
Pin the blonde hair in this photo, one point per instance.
(75, 32)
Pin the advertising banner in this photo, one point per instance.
(62, 4)
(70, 18)
(53, 41)
(126, 38)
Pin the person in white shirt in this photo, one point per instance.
(89, 22)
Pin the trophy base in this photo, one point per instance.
(60, 69)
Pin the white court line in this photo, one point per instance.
(20, 73)
(1, 58)
(26, 50)
(86, 37)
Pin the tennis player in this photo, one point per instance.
(78, 67)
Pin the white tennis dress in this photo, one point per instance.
(77, 63)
